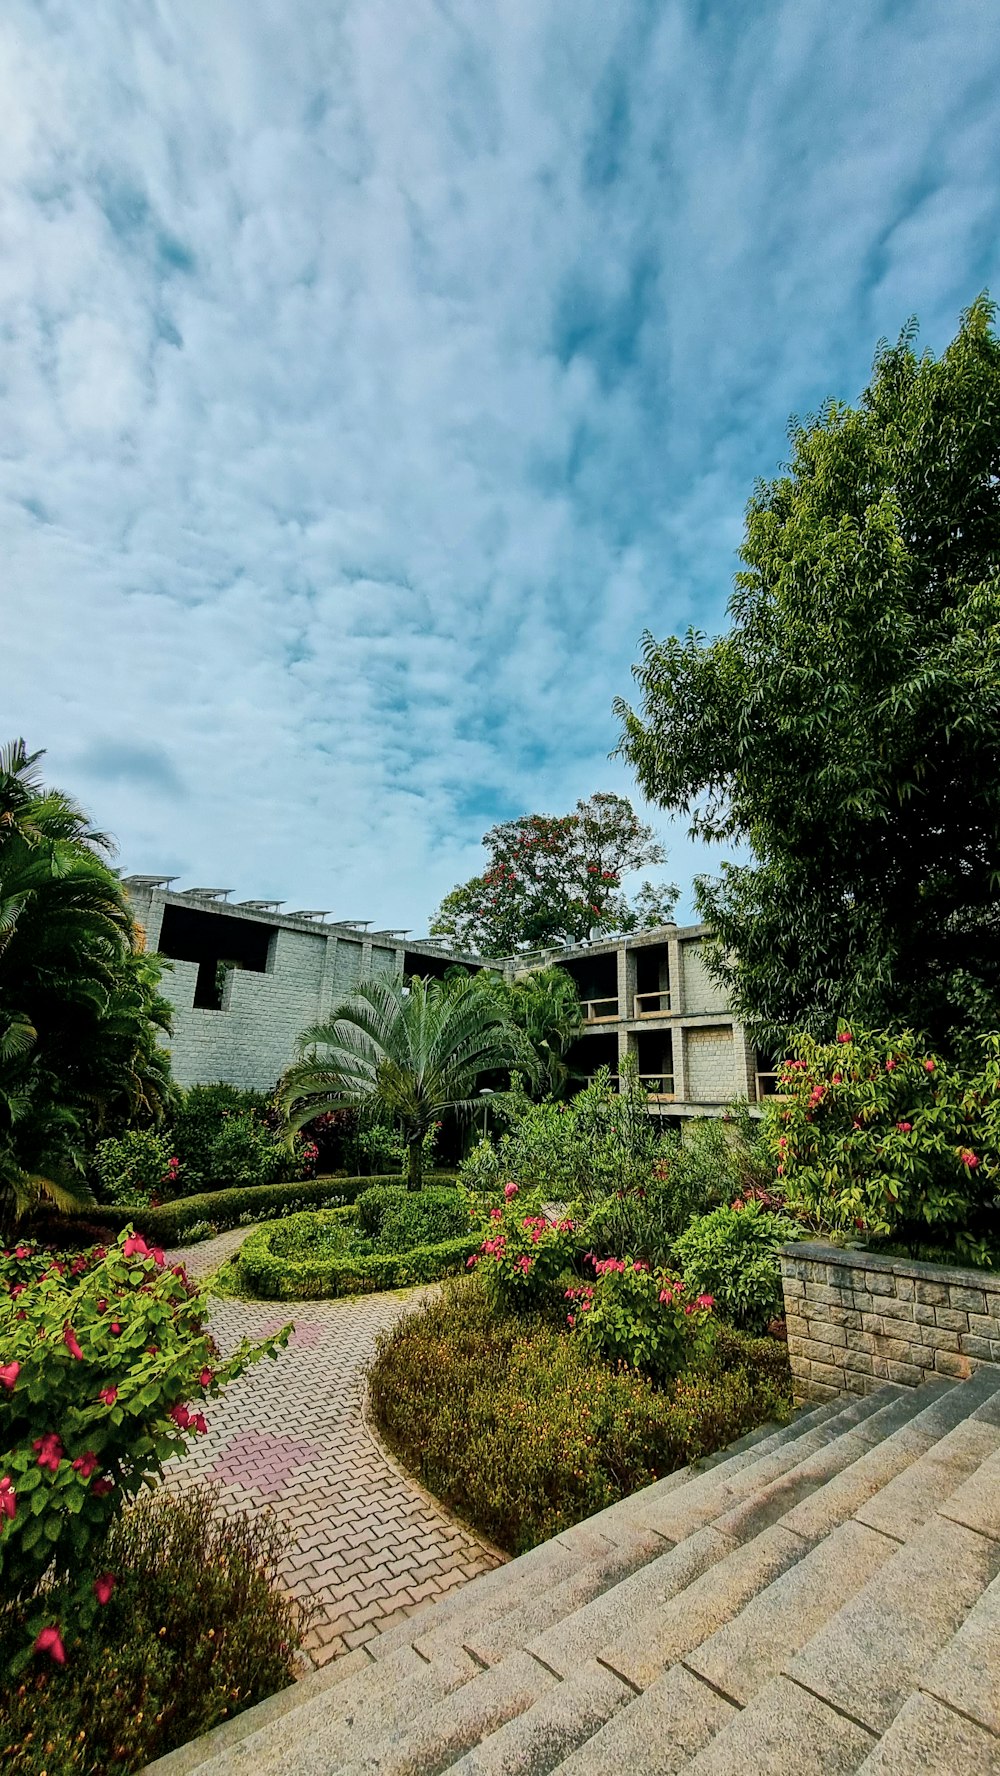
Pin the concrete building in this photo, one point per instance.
(247, 979)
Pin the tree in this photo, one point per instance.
(554, 879)
(545, 1006)
(79, 1006)
(848, 725)
(413, 1051)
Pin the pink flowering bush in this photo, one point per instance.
(645, 1319)
(875, 1137)
(524, 1255)
(106, 1367)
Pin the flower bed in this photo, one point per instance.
(518, 1429)
(328, 1253)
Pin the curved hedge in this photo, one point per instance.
(167, 1224)
(278, 1276)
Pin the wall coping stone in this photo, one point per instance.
(855, 1258)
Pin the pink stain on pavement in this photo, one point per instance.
(259, 1460)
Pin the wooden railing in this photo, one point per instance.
(599, 1011)
(646, 1005)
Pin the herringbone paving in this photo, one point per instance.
(365, 1545)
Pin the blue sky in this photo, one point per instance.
(373, 372)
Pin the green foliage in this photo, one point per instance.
(226, 1137)
(397, 1219)
(846, 726)
(196, 1630)
(880, 1137)
(731, 1254)
(524, 1258)
(552, 881)
(410, 1053)
(717, 1160)
(80, 1008)
(172, 1222)
(601, 1141)
(135, 1168)
(511, 1425)
(545, 1006)
(102, 1355)
(641, 1318)
(314, 1256)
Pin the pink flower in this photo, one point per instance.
(70, 1341)
(180, 1415)
(904, 1127)
(510, 1190)
(115, 1327)
(85, 1464)
(104, 1584)
(197, 1423)
(9, 1373)
(50, 1641)
(8, 1497)
(470, 1263)
(524, 1264)
(969, 1159)
(108, 1395)
(845, 1036)
(100, 1487)
(890, 1065)
(705, 1301)
(206, 1378)
(496, 1214)
(50, 1451)
(929, 1066)
(136, 1247)
(571, 1319)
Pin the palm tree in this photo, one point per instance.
(546, 1006)
(414, 1051)
(78, 1005)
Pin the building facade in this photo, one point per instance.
(245, 980)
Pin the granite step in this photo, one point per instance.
(823, 1596)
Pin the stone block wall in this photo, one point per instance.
(856, 1320)
(710, 1065)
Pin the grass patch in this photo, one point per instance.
(506, 1421)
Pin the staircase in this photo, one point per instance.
(815, 1600)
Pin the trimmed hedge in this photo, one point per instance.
(277, 1276)
(167, 1224)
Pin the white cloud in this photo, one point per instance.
(370, 376)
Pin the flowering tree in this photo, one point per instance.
(554, 879)
(846, 726)
(106, 1365)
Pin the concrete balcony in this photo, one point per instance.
(651, 1005)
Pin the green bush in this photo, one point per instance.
(603, 1140)
(732, 1255)
(525, 1259)
(104, 1355)
(397, 1218)
(169, 1224)
(196, 1631)
(313, 1256)
(507, 1421)
(644, 1319)
(135, 1168)
(876, 1136)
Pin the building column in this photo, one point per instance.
(626, 980)
(676, 982)
(744, 1065)
(678, 1046)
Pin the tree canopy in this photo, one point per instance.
(80, 1008)
(847, 728)
(553, 879)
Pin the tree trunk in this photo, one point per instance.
(414, 1164)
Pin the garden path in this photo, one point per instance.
(365, 1545)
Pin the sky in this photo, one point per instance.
(374, 372)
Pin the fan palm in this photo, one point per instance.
(412, 1051)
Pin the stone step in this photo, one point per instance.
(788, 1607)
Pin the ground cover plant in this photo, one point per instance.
(194, 1631)
(390, 1239)
(107, 1365)
(515, 1425)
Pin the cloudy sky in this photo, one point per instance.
(372, 372)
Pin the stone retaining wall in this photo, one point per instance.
(856, 1320)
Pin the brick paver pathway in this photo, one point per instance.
(365, 1545)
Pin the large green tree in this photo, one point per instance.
(80, 1008)
(553, 879)
(410, 1052)
(847, 728)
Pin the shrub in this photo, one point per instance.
(732, 1254)
(524, 1258)
(104, 1354)
(398, 1218)
(311, 1256)
(168, 1225)
(877, 1136)
(645, 1319)
(136, 1168)
(511, 1425)
(603, 1140)
(196, 1631)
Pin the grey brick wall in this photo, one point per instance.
(856, 1319)
(710, 1065)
